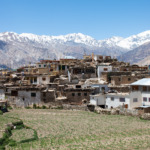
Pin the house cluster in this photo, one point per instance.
(95, 79)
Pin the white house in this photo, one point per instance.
(105, 67)
(140, 92)
(114, 100)
(98, 100)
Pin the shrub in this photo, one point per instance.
(1, 113)
(34, 106)
(43, 107)
(10, 107)
(18, 123)
(2, 147)
(28, 107)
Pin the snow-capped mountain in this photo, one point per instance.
(18, 49)
(135, 40)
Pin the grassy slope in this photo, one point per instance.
(60, 129)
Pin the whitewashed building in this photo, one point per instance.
(105, 67)
(114, 100)
(98, 100)
(140, 92)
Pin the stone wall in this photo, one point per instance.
(75, 107)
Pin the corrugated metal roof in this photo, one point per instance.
(145, 81)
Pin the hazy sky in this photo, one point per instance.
(98, 18)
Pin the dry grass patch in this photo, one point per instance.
(22, 134)
(62, 129)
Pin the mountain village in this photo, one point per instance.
(95, 81)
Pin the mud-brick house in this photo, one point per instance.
(99, 84)
(29, 79)
(65, 64)
(48, 66)
(77, 94)
(83, 72)
(123, 79)
(48, 95)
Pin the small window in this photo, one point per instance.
(43, 78)
(35, 79)
(78, 86)
(44, 66)
(144, 88)
(129, 79)
(63, 67)
(14, 93)
(144, 99)
(122, 99)
(119, 79)
(135, 100)
(105, 69)
(112, 98)
(73, 94)
(103, 88)
(135, 88)
(33, 94)
(39, 65)
(85, 94)
(79, 94)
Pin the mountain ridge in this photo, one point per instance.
(27, 47)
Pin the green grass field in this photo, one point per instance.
(65, 130)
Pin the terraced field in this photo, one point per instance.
(65, 130)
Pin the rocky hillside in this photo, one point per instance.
(139, 55)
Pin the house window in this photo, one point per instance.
(63, 67)
(144, 88)
(35, 79)
(129, 79)
(105, 69)
(44, 65)
(103, 88)
(39, 65)
(43, 78)
(14, 93)
(122, 99)
(135, 88)
(33, 94)
(112, 98)
(79, 94)
(144, 99)
(149, 89)
(78, 86)
(135, 100)
(119, 79)
(85, 94)
(73, 94)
